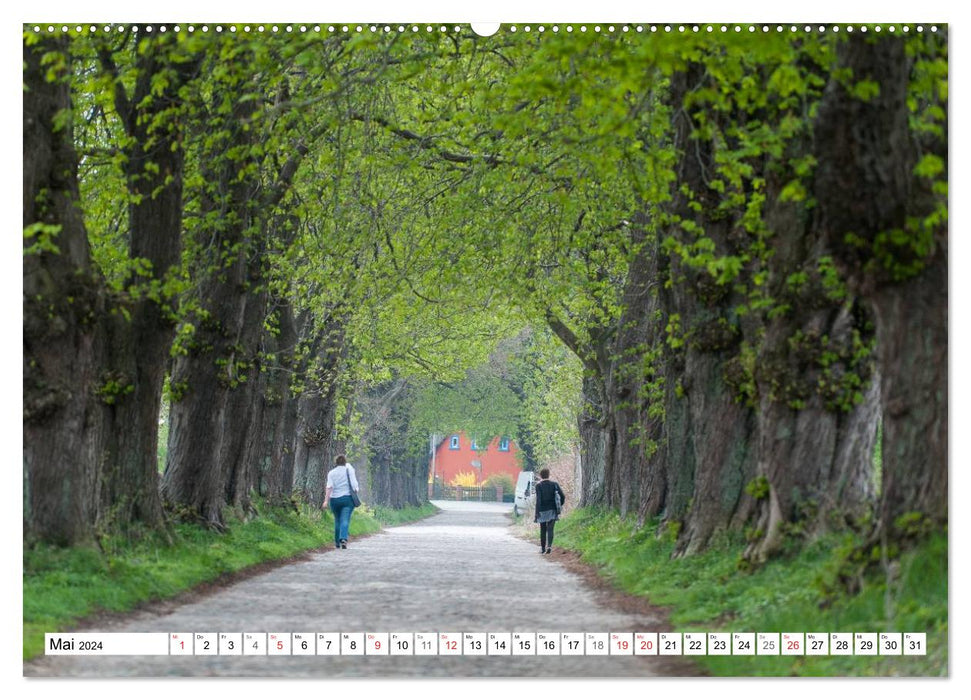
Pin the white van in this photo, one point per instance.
(525, 493)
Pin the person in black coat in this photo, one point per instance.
(549, 503)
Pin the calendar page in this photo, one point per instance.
(613, 348)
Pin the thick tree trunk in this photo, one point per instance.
(213, 382)
(243, 411)
(872, 211)
(136, 357)
(711, 431)
(850, 484)
(675, 480)
(63, 304)
(597, 441)
(277, 432)
(202, 381)
(724, 455)
(818, 399)
(637, 478)
(139, 345)
(912, 343)
(818, 418)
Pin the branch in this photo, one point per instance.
(579, 223)
(570, 339)
(289, 169)
(394, 263)
(427, 142)
(122, 103)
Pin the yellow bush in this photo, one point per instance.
(465, 479)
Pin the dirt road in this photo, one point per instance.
(458, 571)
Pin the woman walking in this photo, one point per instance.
(341, 494)
(549, 503)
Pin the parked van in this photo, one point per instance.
(525, 493)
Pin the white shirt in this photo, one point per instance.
(337, 480)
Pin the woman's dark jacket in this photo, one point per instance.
(545, 496)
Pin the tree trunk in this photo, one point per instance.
(399, 480)
(635, 386)
(882, 220)
(711, 431)
(597, 441)
(63, 303)
(137, 356)
(279, 413)
(317, 444)
(655, 453)
(243, 411)
(397, 473)
(202, 380)
(818, 399)
(818, 417)
(139, 344)
(912, 343)
(213, 379)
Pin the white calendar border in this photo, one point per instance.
(700, 11)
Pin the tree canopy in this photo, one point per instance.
(711, 263)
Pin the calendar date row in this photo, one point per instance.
(489, 644)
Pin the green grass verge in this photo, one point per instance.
(710, 592)
(390, 517)
(63, 586)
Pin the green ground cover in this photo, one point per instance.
(799, 591)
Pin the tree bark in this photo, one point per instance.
(141, 333)
(595, 424)
(636, 386)
(597, 441)
(711, 432)
(317, 443)
(243, 410)
(818, 413)
(398, 480)
(869, 194)
(214, 382)
(818, 398)
(63, 304)
(203, 379)
(279, 413)
(912, 341)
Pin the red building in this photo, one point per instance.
(457, 454)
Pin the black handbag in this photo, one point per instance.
(355, 499)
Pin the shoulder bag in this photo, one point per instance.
(355, 499)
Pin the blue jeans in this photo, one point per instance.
(341, 507)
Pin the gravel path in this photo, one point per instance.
(458, 571)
